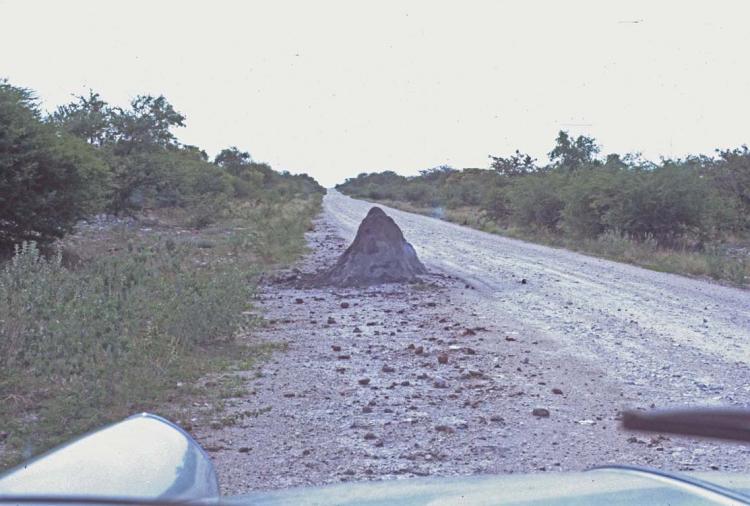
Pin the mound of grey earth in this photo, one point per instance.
(379, 254)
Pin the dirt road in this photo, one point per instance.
(534, 377)
(624, 309)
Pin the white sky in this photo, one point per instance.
(338, 88)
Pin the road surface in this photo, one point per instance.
(644, 322)
(481, 375)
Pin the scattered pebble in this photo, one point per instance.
(540, 412)
(439, 383)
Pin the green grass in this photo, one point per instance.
(127, 320)
(714, 261)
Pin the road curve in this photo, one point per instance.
(643, 319)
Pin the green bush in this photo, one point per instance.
(666, 203)
(48, 180)
(535, 201)
(587, 197)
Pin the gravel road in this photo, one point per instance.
(639, 318)
(475, 371)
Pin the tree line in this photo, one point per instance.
(688, 202)
(89, 157)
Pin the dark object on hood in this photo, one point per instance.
(719, 423)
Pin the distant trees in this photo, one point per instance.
(88, 156)
(150, 167)
(517, 164)
(577, 193)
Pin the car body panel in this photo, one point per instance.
(147, 457)
(606, 486)
(144, 456)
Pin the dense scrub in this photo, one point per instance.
(697, 207)
(150, 295)
(89, 157)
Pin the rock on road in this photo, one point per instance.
(648, 325)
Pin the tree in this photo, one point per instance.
(517, 164)
(571, 154)
(48, 179)
(615, 161)
(89, 118)
(146, 126)
(436, 173)
(588, 196)
(234, 161)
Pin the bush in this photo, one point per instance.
(50, 312)
(587, 197)
(667, 203)
(535, 201)
(48, 180)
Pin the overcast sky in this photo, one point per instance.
(338, 88)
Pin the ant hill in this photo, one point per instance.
(379, 254)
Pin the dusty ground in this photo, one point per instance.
(361, 392)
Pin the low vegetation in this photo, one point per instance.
(688, 216)
(153, 290)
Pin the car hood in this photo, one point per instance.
(610, 486)
(147, 458)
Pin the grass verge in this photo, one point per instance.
(129, 318)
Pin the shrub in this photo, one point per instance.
(587, 198)
(48, 180)
(536, 202)
(667, 203)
